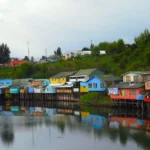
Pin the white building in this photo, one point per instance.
(76, 53)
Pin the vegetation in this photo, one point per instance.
(4, 53)
(94, 97)
(119, 58)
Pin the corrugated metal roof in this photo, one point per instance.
(63, 74)
(127, 85)
(110, 78)
(20, 81)
(85, 72)
(137, 72)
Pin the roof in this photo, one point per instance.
(137, 72)
(85, 72)
(20, 81)
(63, 74)
(94, 77)
(127, 85)
(110, 78)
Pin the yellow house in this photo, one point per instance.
(61, 78)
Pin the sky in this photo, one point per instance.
(69, 24)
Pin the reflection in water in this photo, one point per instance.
(75, 128)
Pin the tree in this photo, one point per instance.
(95, 51)
(58, 52)
(32, 59)
(4, 53)
(85, 49)
(43, 58)
(120, 45)
(26, 58)
(103, 45)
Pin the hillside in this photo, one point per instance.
(134, 56)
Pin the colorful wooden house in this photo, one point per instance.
(147, 88)
(127, 91)
(4, 84)
(111, 79)
(50, 89)
(136, 76)
(65, 88)
(19, 86)
(37, 82)
(39, 89)
(60, 78)
(94, 84)
(85, 74)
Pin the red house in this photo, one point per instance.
(127, 91)
(16, 62)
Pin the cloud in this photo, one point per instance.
(70, 24)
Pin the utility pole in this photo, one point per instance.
(28, 43)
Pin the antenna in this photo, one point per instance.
(28, 43)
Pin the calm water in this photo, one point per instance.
(79, 128)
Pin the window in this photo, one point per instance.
(95, 120)
(94, 85)
(102, 85)
(123, 92)
(128, 78)
(7, 83)
(148, 84)
(90, 85)
(132, 92)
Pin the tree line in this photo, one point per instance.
(4, 53)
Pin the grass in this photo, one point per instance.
(94, 97)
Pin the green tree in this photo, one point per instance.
(103, 45)
(26, 58)
(32, 59)
(4, 53)
(120, 45)
(95, 51)
(58, 52)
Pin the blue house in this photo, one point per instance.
(4, 83)
(94, 84)
(30, 89)
(50, 89)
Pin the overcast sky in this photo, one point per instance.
(69, 24)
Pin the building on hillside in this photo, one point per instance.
(16, 62)
(136, 76)
(60, 78)
(85, 74)
(127, 91)
(76, 53)
(94, 84)
(102, 52)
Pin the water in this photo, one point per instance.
(78, 128)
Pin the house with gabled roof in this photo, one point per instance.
(61, 78)
(136, 76)
(127, 91)
(85, 74)
(94, 84)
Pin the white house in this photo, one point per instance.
(75, 53)
(136, 76)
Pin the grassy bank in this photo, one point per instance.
(95, 98)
